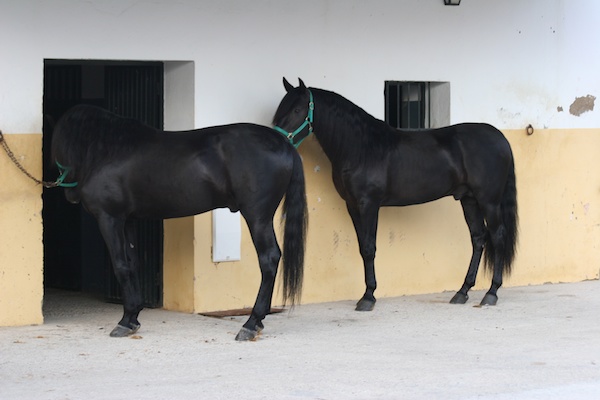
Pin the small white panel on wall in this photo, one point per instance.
(227, 235)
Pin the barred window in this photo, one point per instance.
(417, 105)
(407, 104)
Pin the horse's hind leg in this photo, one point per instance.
(477, 229)
(365, 224)
(494, 251)
(120, 238)
(269, 255)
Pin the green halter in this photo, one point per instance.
(307, 121)
(64, 171)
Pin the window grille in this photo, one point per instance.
(407, 104)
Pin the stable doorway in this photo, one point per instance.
(75, 257)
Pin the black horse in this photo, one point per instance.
(122, 170)
(375, 165)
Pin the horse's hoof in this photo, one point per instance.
(489, 300)
(459, 298)
(246, 334)
(365, 305)
(122, 331)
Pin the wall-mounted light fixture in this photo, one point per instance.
(451, 2)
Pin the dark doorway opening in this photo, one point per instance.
(75, 257)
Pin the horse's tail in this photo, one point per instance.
(295, 214)
(508, 209)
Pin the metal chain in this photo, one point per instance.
(11, 155)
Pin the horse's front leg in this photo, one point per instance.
(269, 255)
(365, 218)
(120, 240)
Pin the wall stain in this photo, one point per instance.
(582, 105)
(586, 208)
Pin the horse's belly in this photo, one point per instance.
(175, 205)
(417, 193)
(405, 200)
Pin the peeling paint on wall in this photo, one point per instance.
(582, 105)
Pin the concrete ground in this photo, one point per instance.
(539, 342)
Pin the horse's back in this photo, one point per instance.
(175, 174)
(130, 168)
(426, 165)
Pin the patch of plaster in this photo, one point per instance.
(582, 105)
(586, 208)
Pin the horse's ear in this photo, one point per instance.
(302, 85)
(288, 86)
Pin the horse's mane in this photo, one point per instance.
(348, 131)
(86, 136)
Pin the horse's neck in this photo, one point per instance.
(329, 136)
(339, 137)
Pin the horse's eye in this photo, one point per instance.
(296, 110)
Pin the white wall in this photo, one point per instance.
(510, 62)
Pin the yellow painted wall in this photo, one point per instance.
(21, 251)
(426, 248)
(178, 264)
(559, 182)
